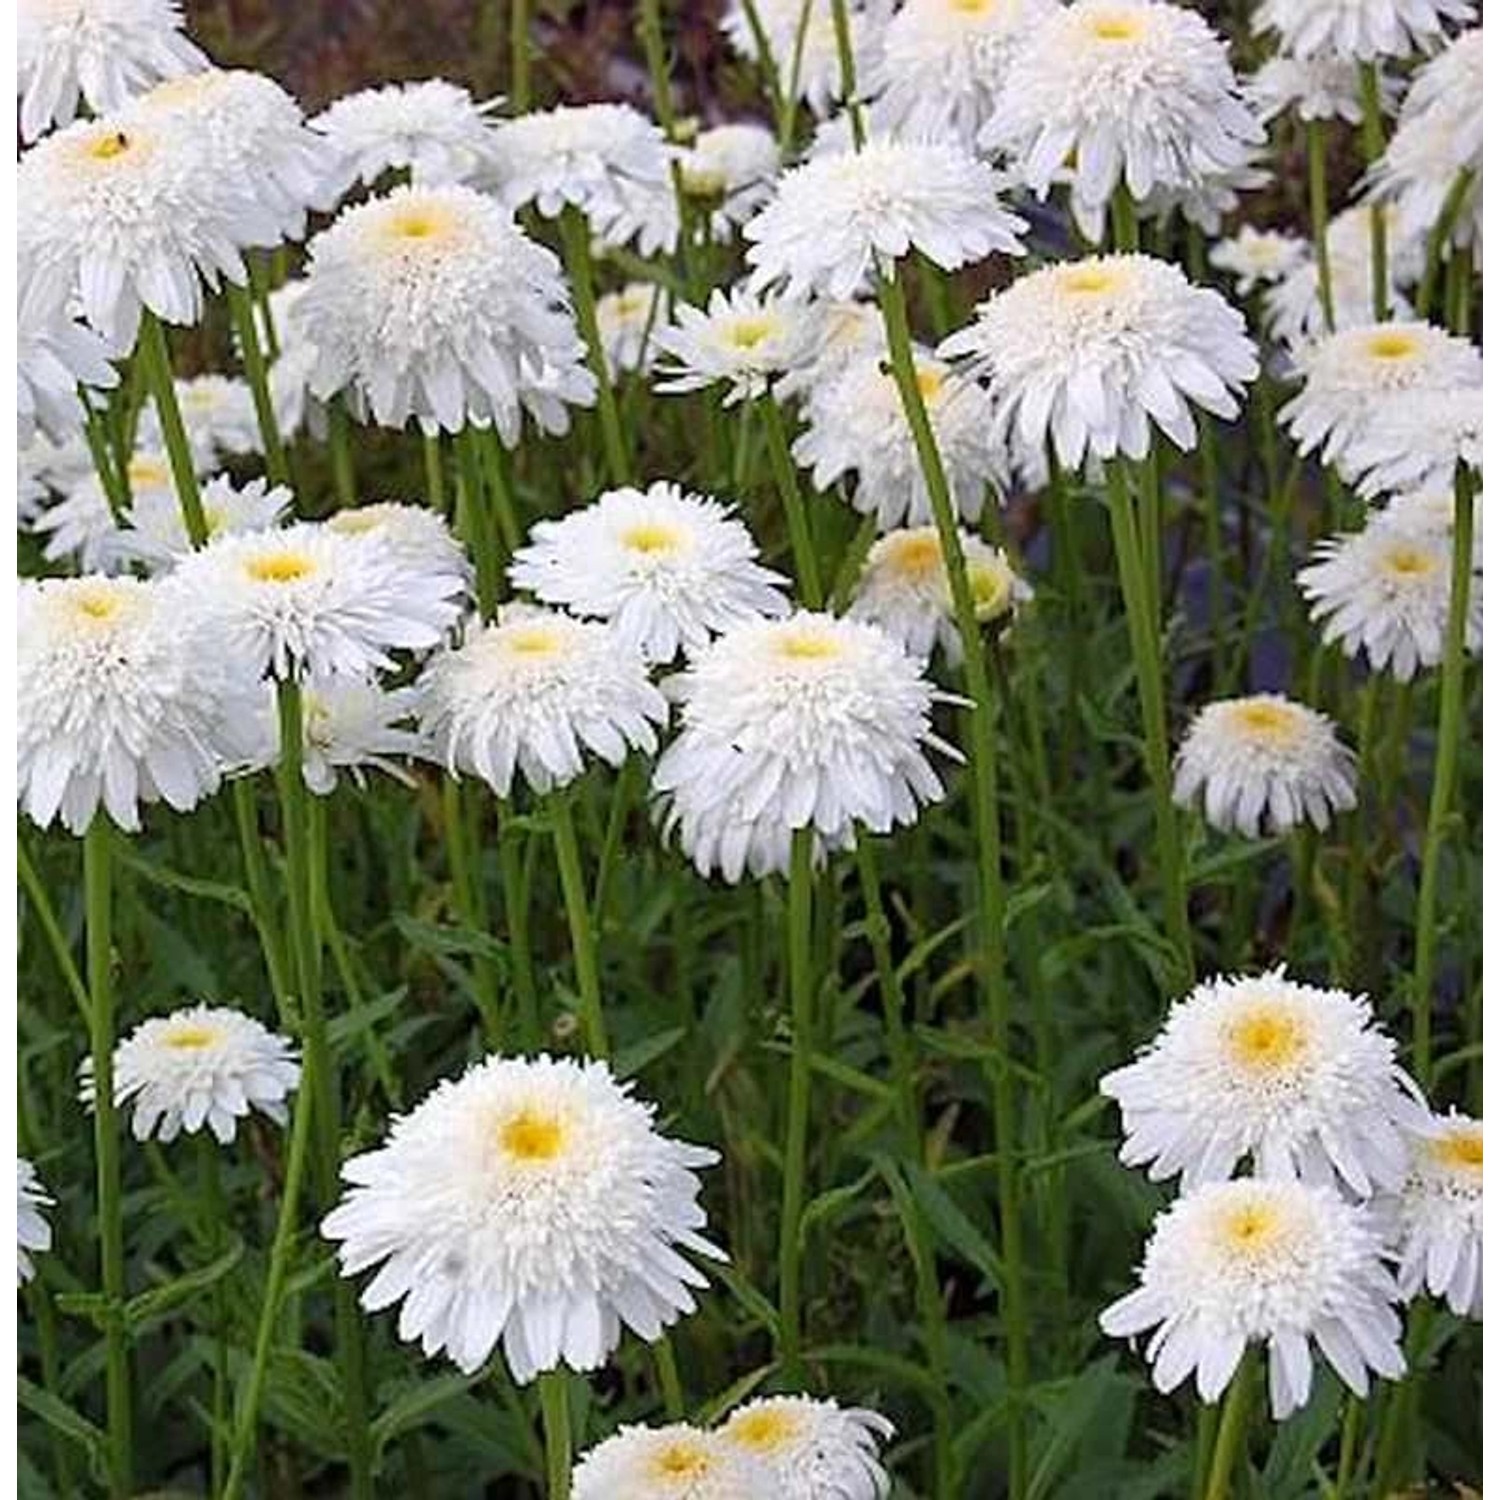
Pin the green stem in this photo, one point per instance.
(1372, 134)
(340, 453)
(1317, 193)
(804, 553)
(242, 311)
(1348, 1447)
(1213, 510)
(1233, 1425)
(656, 63)
(98, 927)
(502, 498)
(469, 900)
(473, 525)
(580, 926)
(848, 86)
(557, 1424)
(158, 367)
(262, 900)
(668, 1377)
(41, 905)
(116, 488)
(575, 238)
(1124, 226)
(216, 1217)
(432, 468)
(515, 889)
(1433, 268)
(520, 56)
(1445, 775)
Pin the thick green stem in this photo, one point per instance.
(474, 526)
(41, 905)
(469, 900)
(158, 367)
(502, 498)
(242, 311)
(804, 553)
(580, 926)
(557, 1425)
(656, 62)
(1437, 242)
(340, 453)
(1445, 774)
(575, 238)
(98, 928)
(1317, 193)
(520, 56)
(432, 468)
(1372, 133)
(1233, 1426)
(1348, 1447)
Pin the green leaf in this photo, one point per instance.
(61, 1417)
(714, 1411)
(416, 1403)
(449, 942)
(161, 1300)
(189, 885)
(754, 1302)
(639, 1056)
(954, 1227)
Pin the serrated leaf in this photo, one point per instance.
(416, 1403)
(161, 1300)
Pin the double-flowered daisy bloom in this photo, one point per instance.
(665, 568)
(33, 1232)
(679, 1462)
(431, 303)
(1419, 442)
(607, 160)
(1284, 1264)
(856, 425)
(46, 470)
(55, 354)
(97, 53)
(534, 691)
(432, 130)
(803, 44)
(530, 1203)
(1438, 1214)
(1321, 87)
(1093, 352)
(903, 588)
(730, 169)
(1264, 759)
(1354, 378)
(1386, 591)
(816, 1450)
(310, 601)
(415, 534)
(82, 526)
(121, 698)
(1258, 257)
(1138, 92)
(155, 533)
(808, 722)
(1300, 1080)
(629, 320)
(741, 340)
(203, 1065)
(843, 217)
(1360, 29)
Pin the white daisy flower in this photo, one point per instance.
(120, 699)
(157, 536)
(1094, 351)
(128, 212)
(942, 65)
(839, 334)
(307, 601)
(731, 169)
(1300, 1080)
(201, 1065)
(432, 130)
(672, 1463)
(840, 219)
(857, 425)
(628, 322)
(1321, 87)
(55, 354)
(817, 1450)
(430, 303)
(1431, 512)
(82, 526)
(1205, 200)
(33, 1232)
(808, 722)
(1283, 1264)
(1386, 591)
(1354, 378)
(1264, 759)
(1258, 257)
(742, 339)
(1363, 30)
(531, 693)
(94, 52)
(531, 1203)
(252, 132)
(218, 415)
(607, 160)
(803, 44)
(1135, 91)
(666, 569)
(1438, 1214)
(293, 365)
(46, 470)
(414, 534)
(903, 588)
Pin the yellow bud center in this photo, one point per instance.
(1250, 1227)
(1116, 26)
(1267, 1039)
(279, 567)
(1087, 281)
(1409, 562)
(1267, 721)
(1392, 346)
(533, 640)
(764, 1430)
(532, 1136)
(682, 1460)
(419, 221)
(108, 146)
(808, 645)
(989, 586)
(147, 474)
(749, 333)
(191, 1038)
(96, 603)
(972, 7)
(651, 537)
(930, 380)
(1461, 1148)
(917, 555)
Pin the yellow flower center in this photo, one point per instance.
(930, 380)
(1249, 1227)
(651, 537)
(704, 181)
(532, 1136)
(99, 602)
(109, 145)
(279, 567)
(1267, 1039)
(1461, 1148)
(764, 1430)
(1267, 721)
(1116, 26)
(419, 221)
(147, 474)
(749, 332)
(916, 556)
(1408, 561)
(972, 7)
(533, 640)
(1392, 346)
(682, 1460)
(807, 645)
(1087, 281)
(191, 1038)
(354, 522)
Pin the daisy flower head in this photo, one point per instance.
(743, 340)
(431, 303)
(306, 600)
(531, 693)
(203, 1065)
(55, 354)
(1258, 257)
(46, 470)
(942, 65)
(155, 533)
(730, 168)
(807, 722)
(1094, 351)
(1319, 87)
(1354, 378)
(678, 1462)
(803, 44)
(857, 425)
(1362, 30)
(1138, 92)
(665, 568)
(1300, 1080)
(817, 1450)
(609, 161)
(414, 534)
(432, 130)
(82, 526)
(1266, 760)
(1438, 1214)
(903, 588)
(33, 1232)
(218, 415)
(128, 212)
(628, 323)
(1284, 1264)
(98, 53)
(842, 218)
(840, 334)
(1386, 591)
(121, 699)
(530, 1203)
